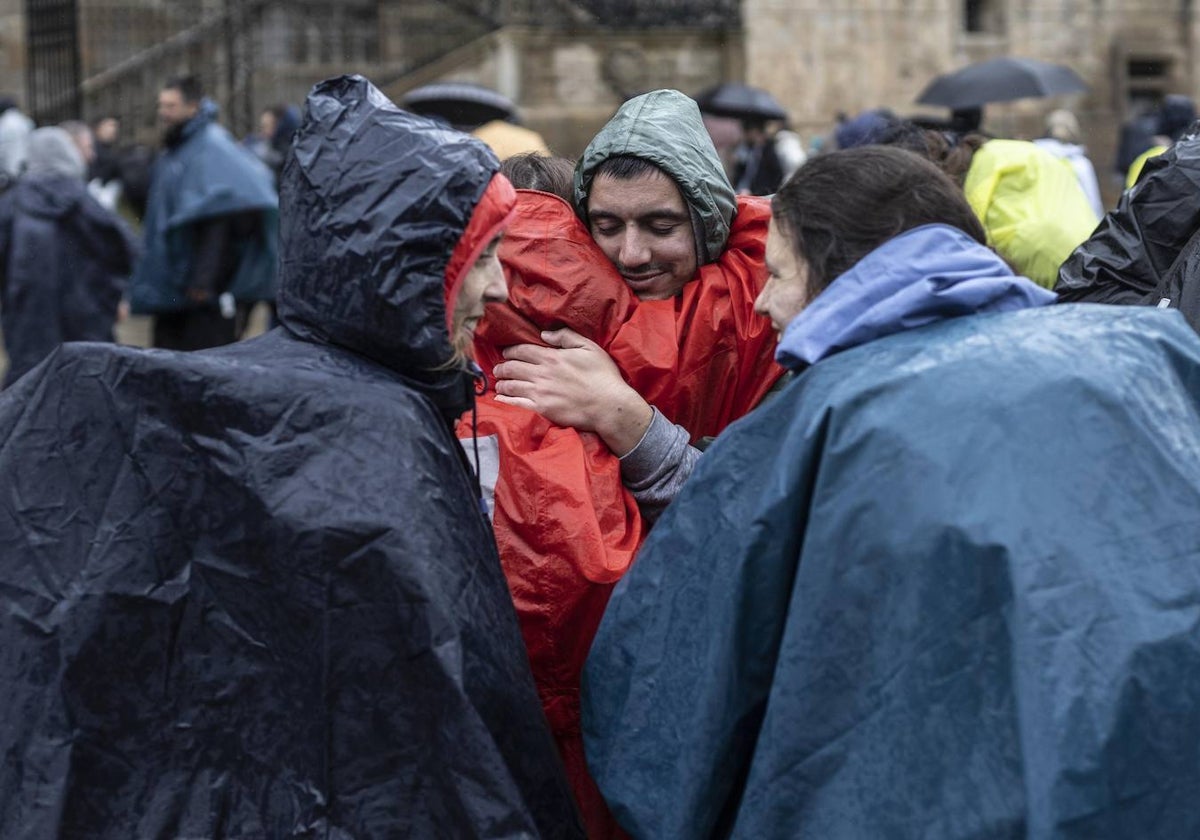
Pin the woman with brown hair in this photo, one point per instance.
(942, 585)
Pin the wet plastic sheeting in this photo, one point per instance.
(1135, 246)
(945, 585)
(249, 592)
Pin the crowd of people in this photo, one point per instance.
(611, 497)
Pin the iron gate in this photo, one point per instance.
(52, 61)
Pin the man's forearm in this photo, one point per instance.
(656, 468)
(624, 422)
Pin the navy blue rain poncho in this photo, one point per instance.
(64, 259)
(249, 592)
(208, 174)
(945, 585)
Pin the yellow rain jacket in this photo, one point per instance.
(1139, 163)
(1031, 206)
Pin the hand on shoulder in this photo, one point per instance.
(573, 382)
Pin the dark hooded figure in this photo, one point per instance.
(1147, 250)
(63, 258)
(249, 592)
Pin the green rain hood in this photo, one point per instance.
(664, 127)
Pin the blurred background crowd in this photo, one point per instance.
(777, 81)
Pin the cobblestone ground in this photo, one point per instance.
(135, 330)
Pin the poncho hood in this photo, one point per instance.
(665, 128)
(927, 274)
(375, 200)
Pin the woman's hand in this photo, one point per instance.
(574, 383)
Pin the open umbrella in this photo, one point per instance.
(461, 104)
(742, 102)
(1001, 80)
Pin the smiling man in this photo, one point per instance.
(653, 193)
(638, 217)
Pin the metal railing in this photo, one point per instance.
(697, 14)
(228, 41)
(52, 35)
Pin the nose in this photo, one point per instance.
(496, 290)
(634, 249)
(760, 302)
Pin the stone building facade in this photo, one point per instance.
(569, 63)
(824, 56)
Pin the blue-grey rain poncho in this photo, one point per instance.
(945, 585)
(249, 592)
(208, 174)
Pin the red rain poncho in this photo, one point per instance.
(566, 527)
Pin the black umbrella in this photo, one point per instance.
(741, 102)
(461, 104)
(1001, 80)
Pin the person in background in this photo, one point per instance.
(1147, 250)
(1063, 141)
(270, 143)
(85, 141)
(507, 139)
(210, 228)
(936, 587)
(106, 136)
(64, 259)
(764, 160)
(1176, 113)
(249, 591)
(726, 136)
(15, 128)
(1030, 202)
(863, 129)
(81, 136)
(15, 131)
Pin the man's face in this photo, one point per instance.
(642, 224)
(786, 292)
(107, 130)
(173, 109)
(267, 125)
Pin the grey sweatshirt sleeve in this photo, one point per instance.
(657, 467)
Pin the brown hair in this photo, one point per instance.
(950, 152)
(840, 206)
(533, 171)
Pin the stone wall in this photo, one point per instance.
(12, 49)
(820, 57)
(568, 82)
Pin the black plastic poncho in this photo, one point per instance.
(1143, 252)
(249, 592)
(63, 264)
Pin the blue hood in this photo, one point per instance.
(922, 276)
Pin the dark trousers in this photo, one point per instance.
(195, 329)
